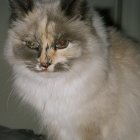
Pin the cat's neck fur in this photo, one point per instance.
(57, 97)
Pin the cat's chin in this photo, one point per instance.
(58, 68)
(50, 72)
(40, 68)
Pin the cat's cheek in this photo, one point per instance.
(71, 52)
(39, 68)
(51, 68)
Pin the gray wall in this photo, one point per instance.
(131, 18)
(130, 14)
(12, 113)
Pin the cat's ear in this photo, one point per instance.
(20, 8)
(76, 8)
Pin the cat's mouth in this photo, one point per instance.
(44, 68)
(59, 67)
(41, 68)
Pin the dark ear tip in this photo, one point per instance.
(20, 8)
(73, 8)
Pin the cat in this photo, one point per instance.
(82, 79)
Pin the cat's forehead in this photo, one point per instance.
(37, 24)
(46, 32)
(45, 25)
(44, 19)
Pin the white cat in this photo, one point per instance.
(83, 82)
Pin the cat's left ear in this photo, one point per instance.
(20, 8)
(77, 8)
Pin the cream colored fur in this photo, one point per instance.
(98, 99)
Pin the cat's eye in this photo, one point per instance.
(62, 44)
(32, 45)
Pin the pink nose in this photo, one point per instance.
(45, 65)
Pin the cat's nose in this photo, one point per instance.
(45, 65)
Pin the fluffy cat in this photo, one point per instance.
(83, 81)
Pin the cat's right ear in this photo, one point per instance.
(77, 8)
(20, 8)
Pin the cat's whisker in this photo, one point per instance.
(13, 77)
(74, 72)
(10, 78)
(8, 99)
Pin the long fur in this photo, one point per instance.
(98, 98)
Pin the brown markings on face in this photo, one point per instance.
(41, 26)
(47, 39)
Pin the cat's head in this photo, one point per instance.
(49, 35)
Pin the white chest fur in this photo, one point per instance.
(59, 100)
(56, 99)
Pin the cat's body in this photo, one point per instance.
(97, 98)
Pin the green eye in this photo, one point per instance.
(32, 45)
(62, 44)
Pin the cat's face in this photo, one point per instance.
(49, 35)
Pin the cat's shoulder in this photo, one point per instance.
(122, 48)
